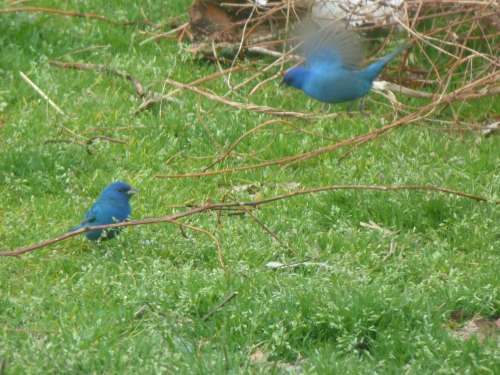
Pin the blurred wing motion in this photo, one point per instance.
(331, 45)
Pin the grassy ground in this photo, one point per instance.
(71, 308)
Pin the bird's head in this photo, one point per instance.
(295, 77)
(118, 190)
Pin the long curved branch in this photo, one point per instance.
(235, 205)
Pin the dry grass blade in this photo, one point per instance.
(169, 96)
(42, 94)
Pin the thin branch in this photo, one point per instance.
(304, 156)
(87, 142)
(385, 188)
(238, 205)
(65, 236)
(389, 86)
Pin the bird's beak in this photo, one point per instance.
(132, 191)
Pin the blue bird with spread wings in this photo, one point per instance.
(112, 206)
(332, 72)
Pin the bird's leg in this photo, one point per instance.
(326, 107)
(350, 107)
(362, 105)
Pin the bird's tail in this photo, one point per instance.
(373, 70)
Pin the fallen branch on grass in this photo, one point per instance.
(238, 205)
(89, 141)
(150, 97)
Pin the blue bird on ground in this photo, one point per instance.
(332, 72)
(112, 206)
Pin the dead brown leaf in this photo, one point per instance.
(479, 327)
(258, 357)
(209, 20)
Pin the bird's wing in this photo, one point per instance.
(333, 45)
(91, 215)
(106, 212)
(90, 218)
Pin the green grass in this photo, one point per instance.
(70, 308)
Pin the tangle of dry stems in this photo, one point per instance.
(448, 27)
(476, 89)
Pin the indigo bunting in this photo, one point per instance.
(331, 73)
(112, 206)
